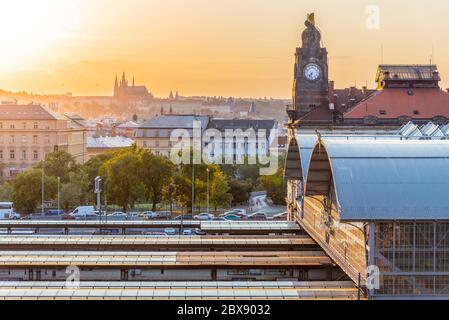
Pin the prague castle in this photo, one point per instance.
(124, 92)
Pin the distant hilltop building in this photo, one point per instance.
(130, 93)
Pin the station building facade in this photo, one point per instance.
(379, 207)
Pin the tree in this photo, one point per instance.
(275, 185)
(92, 169)
(219, 191)
(157, 172)
(76, 191)
(183, 189)
(59, 164)
(27, 190)
(5, 192)
(240, 190)
(123, 174)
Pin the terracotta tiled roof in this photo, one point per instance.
(394, 103)
(321, 113)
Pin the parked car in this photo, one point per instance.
(280, 216)
(67, 216)
(258, 216)
(170, 232)
(229, 212)
(134, 215)
(200, 232)
(117, 216)
(187, 216)
(232, 217)
(15, 216)
(149, 215)
(204, 216)
(241, 211)
(161, 215)
(188, 232)
(54, 212)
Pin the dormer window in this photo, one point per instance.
(416, 112)
(383, 112)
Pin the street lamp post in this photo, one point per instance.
(208, 197)
(59, 202)
(43, 186)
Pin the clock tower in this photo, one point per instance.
(311, 85)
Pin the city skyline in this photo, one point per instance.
(224, 48)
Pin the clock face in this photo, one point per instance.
(312, 72)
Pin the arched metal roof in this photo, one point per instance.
(383, 180)
(298, 158)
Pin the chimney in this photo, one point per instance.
(436, 75)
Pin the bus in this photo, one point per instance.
(6, 210)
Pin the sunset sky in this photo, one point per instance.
(207, 47)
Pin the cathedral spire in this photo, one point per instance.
(123, 79)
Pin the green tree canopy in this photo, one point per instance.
(157, 173)
(219, 191)
(124, 183)
(59, 164)
(27, 190)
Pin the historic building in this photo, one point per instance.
(130, 93)
(311, 84)
(29, 132)
(155, 134)
(365, 189)
(404, 93)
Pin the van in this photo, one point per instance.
(6, 210)
(84, 212)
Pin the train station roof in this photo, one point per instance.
(241, 290)
(383, 179)
(150, 260)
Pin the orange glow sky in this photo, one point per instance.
(207, 47)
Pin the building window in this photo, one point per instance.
(24, 139)
(1, 125)
(24, 124)
(11, 126)
(11, 154)
(11, 139)
(145, 144)
(35, 125)
(1, 154)
(24, 154)
(36, 155)
(47, 139)
(35, 141)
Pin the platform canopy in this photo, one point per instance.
(382, 179)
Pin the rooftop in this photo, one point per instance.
(383, 179)
(174, 122)
(109, 142)
(27, 112)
